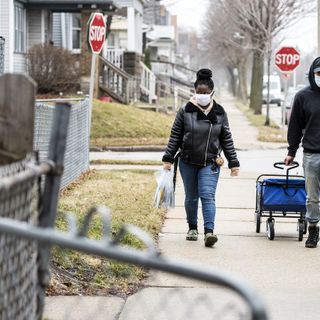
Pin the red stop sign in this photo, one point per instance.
(287, 59)
(96, 32)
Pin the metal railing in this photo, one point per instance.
(247, 305)
(148, 83)
(24, 266)
(2, 54)
(28, 210)
(171, 97)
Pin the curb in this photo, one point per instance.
(163, 148)
(129, 149)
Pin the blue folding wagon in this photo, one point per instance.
(281, 196)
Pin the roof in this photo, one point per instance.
(158, 32)
(72, 5)
(161, 43)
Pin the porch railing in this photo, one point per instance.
(148, 83)
(115, 56)
(117, 83)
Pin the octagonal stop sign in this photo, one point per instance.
(287, 59)
(96, 32)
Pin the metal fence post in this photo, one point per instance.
(51, 192)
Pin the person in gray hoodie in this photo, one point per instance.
(304, 125)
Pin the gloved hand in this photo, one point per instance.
(234, 172)
(167, 165)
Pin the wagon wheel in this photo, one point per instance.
(305, 226)
(301, 227)
(258, 222)
(270, 228)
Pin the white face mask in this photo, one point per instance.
(317, 80)
(203, 99)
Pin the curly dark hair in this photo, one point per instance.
(204, 76)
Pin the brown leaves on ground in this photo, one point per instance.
(129, 196)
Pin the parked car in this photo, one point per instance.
(275, 94)
(288, 100)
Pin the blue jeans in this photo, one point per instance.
(311, 166)
(199, 182)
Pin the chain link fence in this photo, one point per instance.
(24, 265)
(77, 152)
(19, 198)
(2, 43)
(28, 211)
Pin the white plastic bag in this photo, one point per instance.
(164, 196)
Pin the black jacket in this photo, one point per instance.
(201, 137)
(305, 117)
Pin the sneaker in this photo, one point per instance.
(313, 237)
(210, 239)
(192, 235)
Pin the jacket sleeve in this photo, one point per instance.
(227, 145)
(176, 136)
(296, 125)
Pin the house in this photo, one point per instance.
(124, 50)
(24, 23)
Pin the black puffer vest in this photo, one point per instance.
(201, 137)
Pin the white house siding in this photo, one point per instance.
(61, 30)
(19, 59)
(6, 26)
(19, 63)
(33, 27)
(68, 31)
(56, 29)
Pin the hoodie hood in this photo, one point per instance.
(316, 63)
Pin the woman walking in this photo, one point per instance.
(201, 131)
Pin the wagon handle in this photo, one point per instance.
(291, 166)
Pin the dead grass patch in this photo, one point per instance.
(129, 196)
(270, 133)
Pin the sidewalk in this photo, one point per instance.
(244, 134)
(283, 271)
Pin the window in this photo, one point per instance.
(76, 32)
(19, 28)
(111, 40)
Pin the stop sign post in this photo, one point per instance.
(287, 59)
(96, 37)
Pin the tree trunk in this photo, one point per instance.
(243, 93)
(257, 82)
(232, 84)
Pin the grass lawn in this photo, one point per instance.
(133, 162)
(270, 133)
(129, 196)
(121, 125)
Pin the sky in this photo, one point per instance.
(191, 14)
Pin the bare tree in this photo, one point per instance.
(225, 43)
(262, 20)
